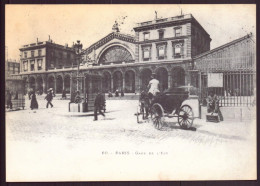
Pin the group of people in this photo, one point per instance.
(117, 92)
(48, 97)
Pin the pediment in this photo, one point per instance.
(108, 38)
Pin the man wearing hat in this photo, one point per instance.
(49, 98)
(153, 86)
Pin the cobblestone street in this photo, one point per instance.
(54, 139)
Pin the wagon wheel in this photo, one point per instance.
(139, 114)
(157, 116)
(185, 116)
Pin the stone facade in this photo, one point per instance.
(125, 62)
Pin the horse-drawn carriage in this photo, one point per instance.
(167, 104)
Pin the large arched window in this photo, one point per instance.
(115, 54)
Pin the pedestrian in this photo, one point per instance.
(98, 106)
(9, 100)
(110, 94)
(122, 93)
(63, 94)
(49, 98)
(117, 93)
(34, 103)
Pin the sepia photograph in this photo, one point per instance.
(130, 92)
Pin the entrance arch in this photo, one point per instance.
(162, 77)
(51, 82)
(117, 81)
(130, 81)
(32, 83)
(106, 82)
(25, 85)
(39, 83)
(178, 76)
(145, 78)
(67, 83)
(59, 84)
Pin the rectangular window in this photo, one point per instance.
(32, 53)
(39, 62)
(161, 35)
(178, 50)
(146, 36)
(161, 51)
(177, 32)
(25, 66)
(146, 54)
(25, 54)
(39, 52)
(32, 65)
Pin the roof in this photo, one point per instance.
(109, 37)
(224, 46)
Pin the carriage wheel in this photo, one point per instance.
(185, 116)
(157, 116)
(139, 114)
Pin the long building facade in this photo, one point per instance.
(125, 62)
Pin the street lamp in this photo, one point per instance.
(78, 49)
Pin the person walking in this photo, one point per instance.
(49, 98)
(63, 94)
(34, 103)
(98, 106)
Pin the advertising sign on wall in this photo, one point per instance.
(215, 79)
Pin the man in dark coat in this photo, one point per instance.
(49, 98)
(98, 105)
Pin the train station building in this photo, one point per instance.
(125, 62)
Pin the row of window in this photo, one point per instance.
(162, 51)
(177, 33)
(33, 53)
(60, 55)
(13, 69)
(32, 65)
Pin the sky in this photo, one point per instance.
(88, 23)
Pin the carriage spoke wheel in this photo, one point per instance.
(185, 117)
(157, 116)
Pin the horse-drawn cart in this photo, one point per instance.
(169, 104)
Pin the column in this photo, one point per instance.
(112, 84)
(169, 80)
(63, 83)
(84, 88)
(44, 84)
(55, 84)
(123, 83)
(71, 96)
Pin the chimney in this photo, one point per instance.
(49, 38)
(37, 40)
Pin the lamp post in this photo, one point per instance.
(78, 48)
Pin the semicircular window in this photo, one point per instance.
(115, 54)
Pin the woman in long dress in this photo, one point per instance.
(34, 103)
